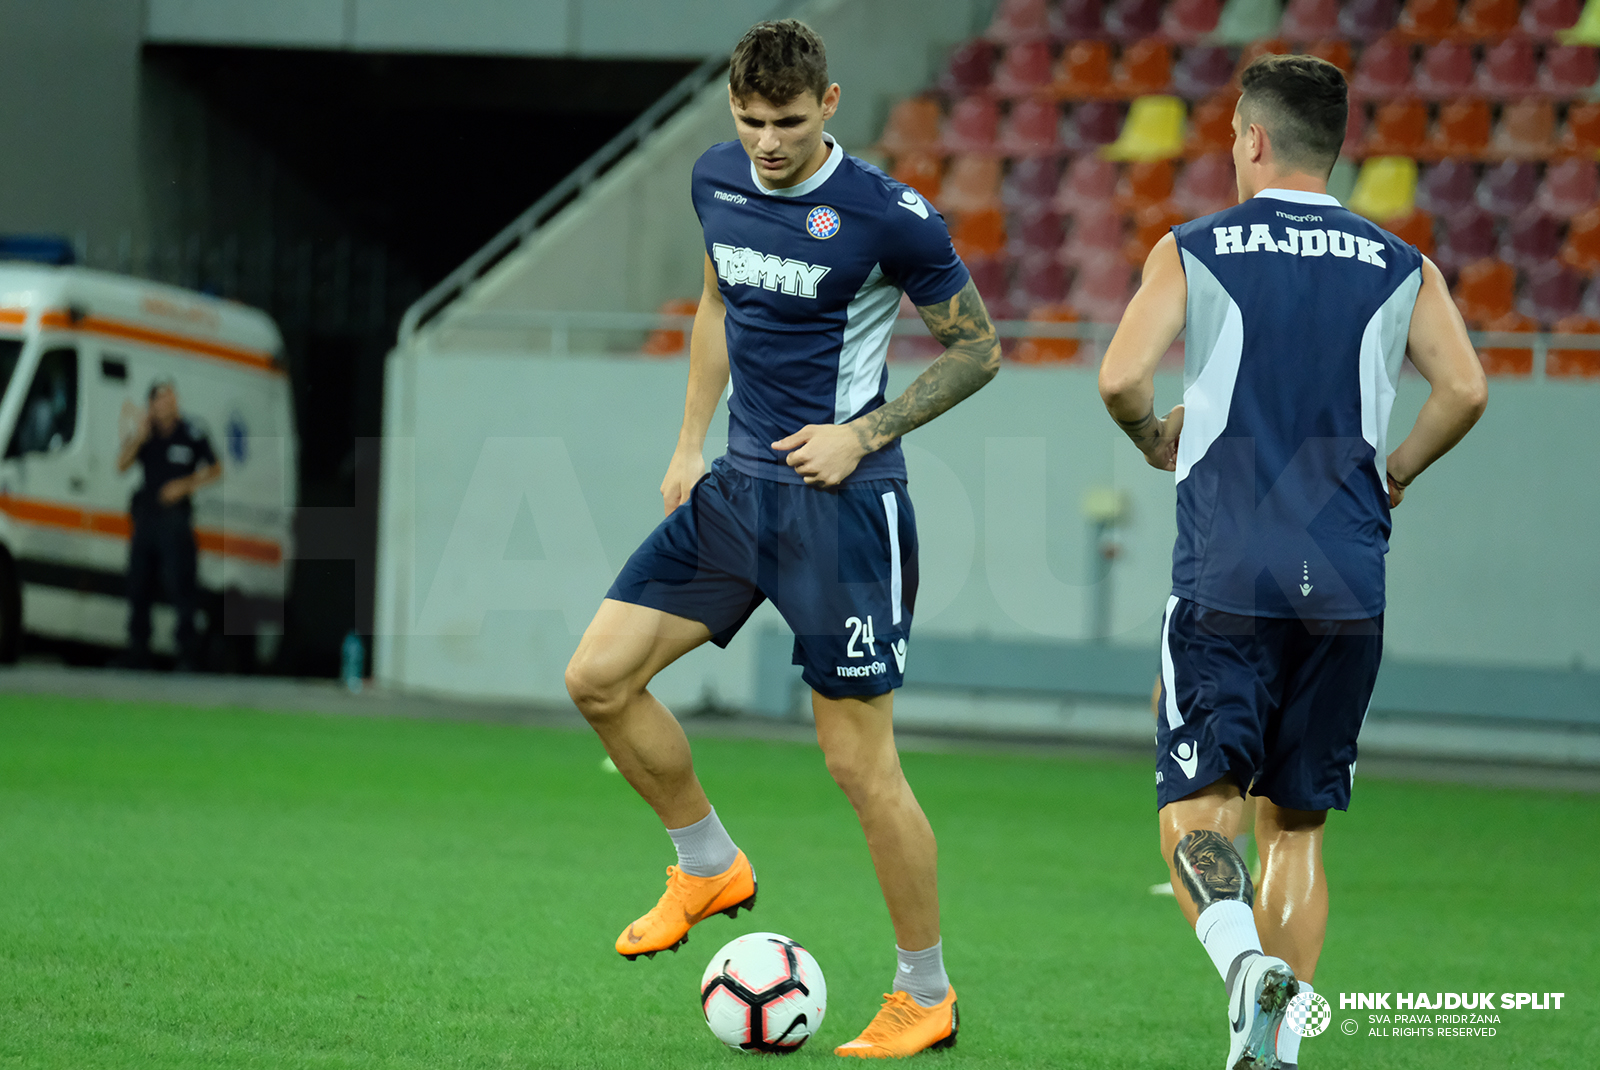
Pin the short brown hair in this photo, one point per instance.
(1303, 103)
(778, 61)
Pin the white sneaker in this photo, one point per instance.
(1259, 990)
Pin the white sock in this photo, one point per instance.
(920, 974)
(1227, 930)
(1288, 1039)
(704, 848)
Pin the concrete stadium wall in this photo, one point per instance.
(515, 486)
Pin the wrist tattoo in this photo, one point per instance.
(1145, 431)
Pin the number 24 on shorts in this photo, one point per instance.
(860, 632)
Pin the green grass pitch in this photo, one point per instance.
(198, 888)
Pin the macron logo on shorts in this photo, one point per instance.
(876, 668)
(1186, 758)
(738, 266)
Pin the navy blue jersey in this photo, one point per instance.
(812, 277)
(1297, 321)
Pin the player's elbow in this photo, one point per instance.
(1470, 397)
(1116, 387)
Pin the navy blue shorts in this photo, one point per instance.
(1275, 704)
(839, 564)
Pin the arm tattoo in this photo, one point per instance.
(970, 359)
(1212, 870)
(1145, 431)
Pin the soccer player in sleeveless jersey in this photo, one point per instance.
(1298, 314)
(807, 252)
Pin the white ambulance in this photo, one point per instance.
(79, 350)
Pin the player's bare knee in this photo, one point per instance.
(1211, 870)
(598, 697)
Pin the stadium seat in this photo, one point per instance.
(1488, 19)
(971, 183)
(992, 278)
(1243, 21)
(1582, 247)
(1336, 52)
(1095, 239)
(1447, 186)
(922, 171)
(1077, 20)
(973, 125)
(1133, 20)
(1509, 187)
(1415, 227)
(1201, 71)
(1447, 70)
(1150, 225)
(1044, 282)
(1384, 70)
(1569, 70)
(1102, 294)
(1310, 20)
(1569, 187)
(978, 233)
(969, 71)
(1145, 68)
(913, 126)
(1470, 235)
(1030, 184)
(1018, 21)
(1428, 20)
(1211, 125)
(1485, 291)
(1032, 129)
(1399, 128)
(1049, 350)
(1355, 130)
(1526, 130)
(1153, 130)
(1206, 185)
(1463, 129)
(1366, 20)
(1509, 362)
(1024, 70)
(1581, 135)
(1087, 186)
(1084, 72)
(1551, 292)
(1143, 184)
(669, 341)
(1531, 239)
(1092, 124)
(1190, 20)
(1545, 18)
(1253, 51)
(1035, 230)
(1385, 189)
(1509, 68)
(1574, 363)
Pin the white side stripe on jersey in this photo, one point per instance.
(1169, 675)
(891, 509)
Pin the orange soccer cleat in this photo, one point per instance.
(904, 1027)
(687, 901)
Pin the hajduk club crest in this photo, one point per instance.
(822, 222)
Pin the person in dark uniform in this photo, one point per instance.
(177, 460)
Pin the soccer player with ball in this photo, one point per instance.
(807, 253)
(1298, 314)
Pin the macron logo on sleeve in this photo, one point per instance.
(738, 266)
(914, 204)
(1295, 242)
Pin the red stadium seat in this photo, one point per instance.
(1488, 19)
(979, 233)
(922, 171)
(1087, 187)
(1428, 20)
(1416, 227)
(1399, 128)
(1024, 70)
(1092, 124)
(1574, 363)
(972, 183)
(992, 279)
(1032, 129)
(1102, 294)
(1463, 129)
(1581, 135)
(1355, 129)
(1448, 186)
(1509, 68)
(1042, 282)
(1447, 70)
(1143, 184)
(1582, 247)
(1569, 187)
(1310, 20)
(1253, 51)
(1485, 291)
(1211, 125)
(1150, 225)
(1030, 184)
(1544, 18)
(1509, 187)
(1201, 71)
(1532, 238)
(1049, 350)
(668, 341)
(1084, 72)
(1036, 230)
(1469, 236)
(1018, 21)
(1551, 293)
(1133, 20)
(1077, 20)
(1145, 67)
(1206, 185)
(1509, 362)
(1190, 20)
(1366, 20)
(970, 69)
(1526, 130)
(913, 126)
(1569, 70)
(973, 125)
(1384, 70)
(1094, 240)
(1336, 52)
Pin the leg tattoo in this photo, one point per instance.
(1211, 869)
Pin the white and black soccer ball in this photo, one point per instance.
(763, 992)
